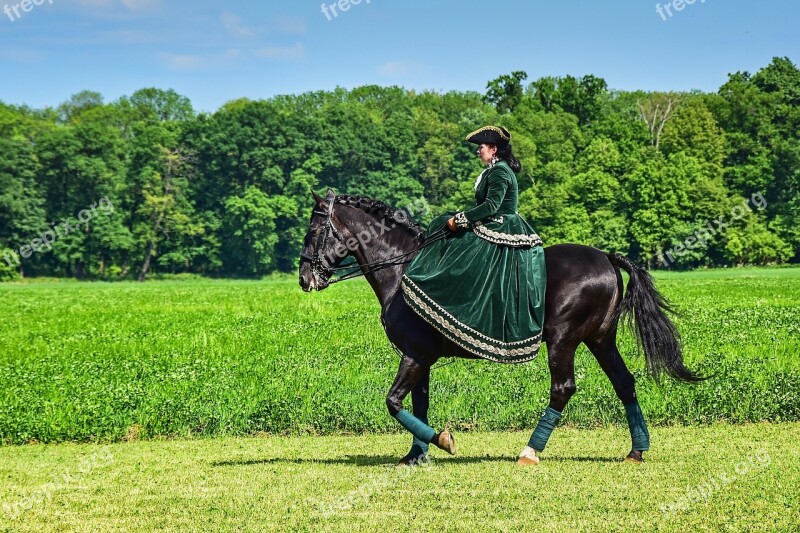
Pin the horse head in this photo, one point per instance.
(367, 229)
(317, 263)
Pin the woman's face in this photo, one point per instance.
(486, 152)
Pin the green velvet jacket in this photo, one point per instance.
(495, 217)
(483, 286)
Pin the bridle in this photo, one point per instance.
(320, 269)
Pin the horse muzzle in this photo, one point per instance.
(311, 279)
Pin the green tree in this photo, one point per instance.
(165, 212)
(153, 104)
(250, 231)
(505, 92)
(22, 215)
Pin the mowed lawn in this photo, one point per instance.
(712, 478)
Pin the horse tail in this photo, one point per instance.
(644, 310)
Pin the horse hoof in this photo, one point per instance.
(412, 460)
(444, 440)
(634, 457)
(527, 460)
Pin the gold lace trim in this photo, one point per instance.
(506, 238)
(492, 128)
(465, 340)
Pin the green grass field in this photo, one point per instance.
(93, 362)
(121, 383)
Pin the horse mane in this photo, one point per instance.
(381, 210)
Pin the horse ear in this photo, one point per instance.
(331, 194)
(317, 198)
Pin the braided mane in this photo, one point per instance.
(381, 210)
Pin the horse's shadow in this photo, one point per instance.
(391, 460)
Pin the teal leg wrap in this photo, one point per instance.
(417, 427)
(639, 435)
(544, 428)
(418, 447)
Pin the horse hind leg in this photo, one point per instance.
(561, 359)
(607, 354)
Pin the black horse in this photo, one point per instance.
(584, 304)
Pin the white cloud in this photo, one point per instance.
(132, 37)
(183, 62)
(20, 55)
(199, 62)
(135, 5)
(290, 25)
(233, 23)
(278, 25)
(276, 52)
(95, 3)
(396, 69)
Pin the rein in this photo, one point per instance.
(319, 267)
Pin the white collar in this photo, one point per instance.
(480, 176)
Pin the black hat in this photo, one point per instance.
(490, 135)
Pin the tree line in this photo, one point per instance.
(145, 185)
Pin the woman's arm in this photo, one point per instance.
(498, 185)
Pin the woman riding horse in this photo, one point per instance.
(482, 292)
(484, 287)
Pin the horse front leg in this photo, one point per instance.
(420, 399)
(408, 376)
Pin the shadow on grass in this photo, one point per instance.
(582, 459)
(377, 460)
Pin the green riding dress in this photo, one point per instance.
(483, 287)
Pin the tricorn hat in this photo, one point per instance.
(490, 135)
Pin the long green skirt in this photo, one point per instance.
(485, 297)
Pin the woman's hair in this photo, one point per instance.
(507, 154)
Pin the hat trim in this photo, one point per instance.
(492, 128)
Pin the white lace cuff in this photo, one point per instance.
(461, 220)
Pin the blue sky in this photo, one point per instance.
(214, 52)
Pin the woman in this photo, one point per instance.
(483, 287)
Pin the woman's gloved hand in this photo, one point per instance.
(459, 221)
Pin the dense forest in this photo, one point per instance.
(146, 186)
